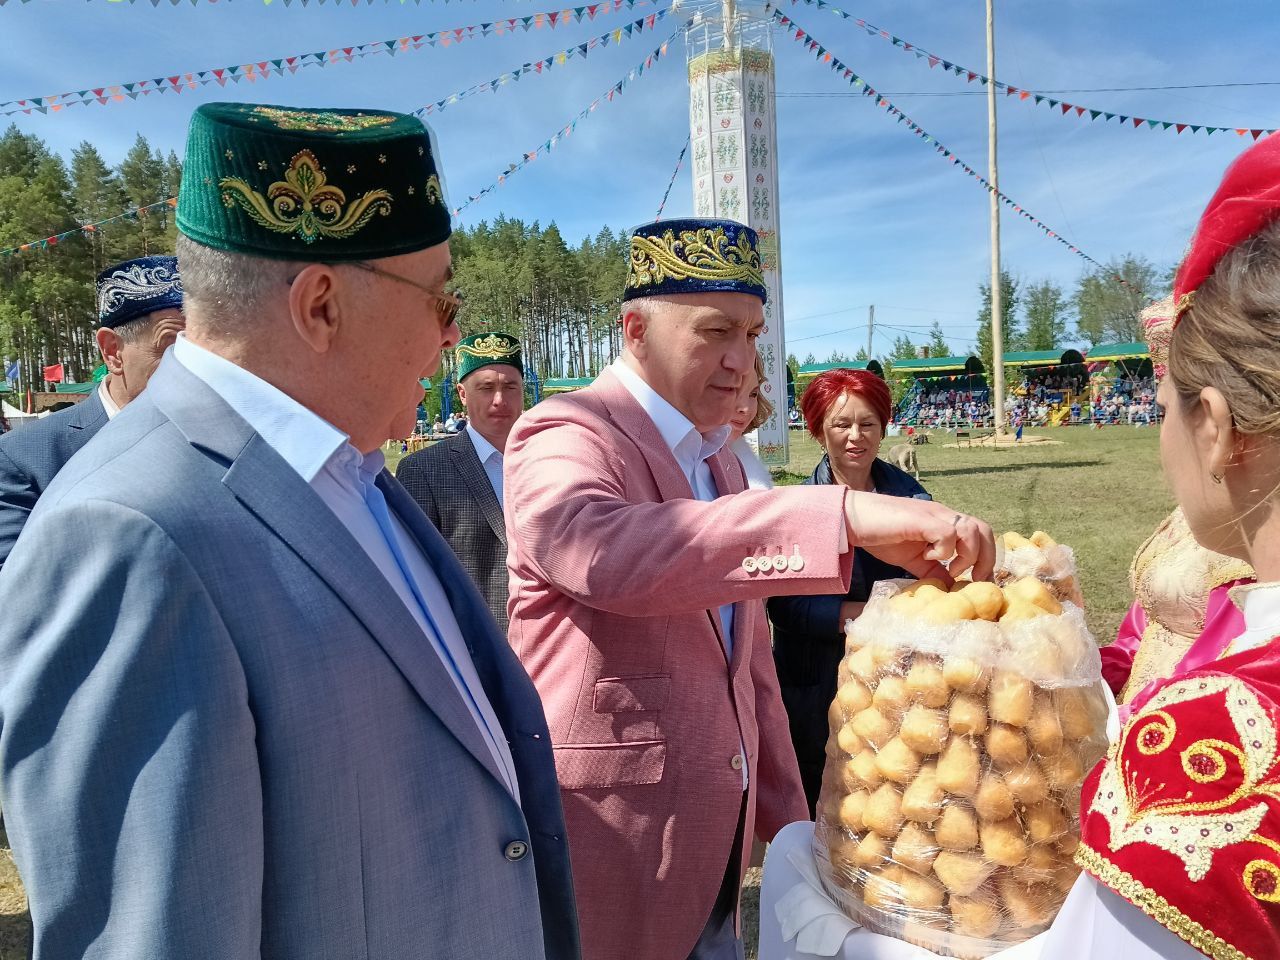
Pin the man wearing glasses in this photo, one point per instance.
(272, 716)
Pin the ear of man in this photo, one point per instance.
(110, 345)
(316, 305)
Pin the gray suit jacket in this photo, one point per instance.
(32, 456)
(222, 735)
(450, 485)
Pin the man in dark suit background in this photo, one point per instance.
(458, 482)
(139, 315)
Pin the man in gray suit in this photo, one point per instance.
(250, 705)
(139, 316)
(458, 482)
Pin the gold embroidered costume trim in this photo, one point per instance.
(1156, 907)
(434, 193)
(1184, 304)
(304, 202)
(492, 347)
(702, 254)
(322, 121)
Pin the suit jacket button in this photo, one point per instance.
(516, 850)
(749, 564)
(736, 762)
(780, 563)
(795, 563)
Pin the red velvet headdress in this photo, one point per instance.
(1247, 200)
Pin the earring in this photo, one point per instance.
(1217, 477)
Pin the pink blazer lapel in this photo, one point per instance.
(639, 426)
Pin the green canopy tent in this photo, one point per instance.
(1133, 360)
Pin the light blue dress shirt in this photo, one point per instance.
(345, 480)
(490, 458)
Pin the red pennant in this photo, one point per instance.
(972, 76)
(1065, 108)
(1137, 122)
(1079, 111)
(1180, 126)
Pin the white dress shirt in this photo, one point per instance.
(490, 458)
(758, 475)
(107, 403)
(322, 455)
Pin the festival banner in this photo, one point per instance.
(823, 55)
(567, 130)
(544, 65)
(280, 66)
(89, 229)
(1029, 96)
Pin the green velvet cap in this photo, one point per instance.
(300, 184)
(483, 349)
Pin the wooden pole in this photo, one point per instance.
(993, 175)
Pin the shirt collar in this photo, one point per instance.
(484, 449)
(107, 403)
(686, 444)
(1260, 604)
(305, 441)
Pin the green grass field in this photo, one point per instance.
(1101, 492)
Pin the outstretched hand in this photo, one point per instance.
(920, 536)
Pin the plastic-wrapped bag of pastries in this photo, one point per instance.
(964, 723)
(1039, 556)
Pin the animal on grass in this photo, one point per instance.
(903, 456)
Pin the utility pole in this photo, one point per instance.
(997, 307)
(871, 329)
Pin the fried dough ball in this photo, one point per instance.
(965, 674)
(1011, 698)
(957, 828)
(835, 714)
(987, 599)
(1018, 610)
(975, 916)
(1028, 906)
(924, 729)
(1040, 656)
(922, 800)
(863, 767)
(841, 852)
(891, 696)
(1044, 729)
(1003, 842)
(1064, 878)
(1067, 843)
(1042, 860)
(1015, 541)
(920, 894)
(853, 696)
(851, 810)
(1062, 769)
(968, 714)
(873, 726)
(949, 608)
(994, 799)
(1006, 746)
(872, 851)
(1043, 540)
(848, 741)
(1027, 783)
(1034, 592)
(1082, 711)
(862, 666)
(958, 767)
(926, 684)
(961, 873)
(915, 848)
(883, 890)
(848, 777)
(1044, 821)
(883, 812)
(885, 654)
(929, 587)
(897, 761)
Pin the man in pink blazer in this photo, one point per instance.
(634, 581)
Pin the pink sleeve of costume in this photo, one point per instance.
(1117, 659)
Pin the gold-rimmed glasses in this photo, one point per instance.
(447, 304)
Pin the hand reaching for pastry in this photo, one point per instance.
(920, 536)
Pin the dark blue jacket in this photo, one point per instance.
(808, 641)
(30, 457)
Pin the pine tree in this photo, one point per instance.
(1046, 316)
(1009, 288)
(142, 173)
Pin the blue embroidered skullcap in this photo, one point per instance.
(136, 287)
(694, 256)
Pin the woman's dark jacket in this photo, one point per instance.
(808, 638)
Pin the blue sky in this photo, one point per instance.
(869, 213)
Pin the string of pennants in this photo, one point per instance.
(672, 182)
(89, 229)
(547, 63)
(824, 55)
(567, 130)
(265, 3)
(1037, 99)
(280, 66)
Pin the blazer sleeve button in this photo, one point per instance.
(779, 563)
(516, 850)
(749, 564)
(736, 762)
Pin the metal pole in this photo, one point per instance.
(871, 329)
(993, 175)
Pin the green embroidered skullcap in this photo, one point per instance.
(299, 184)
(484, 349)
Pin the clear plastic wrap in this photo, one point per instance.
(962, 728)
(1039, 556)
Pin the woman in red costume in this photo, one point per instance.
(1181, 821)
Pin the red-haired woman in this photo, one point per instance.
(846, 411)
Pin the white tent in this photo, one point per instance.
(17, 419)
